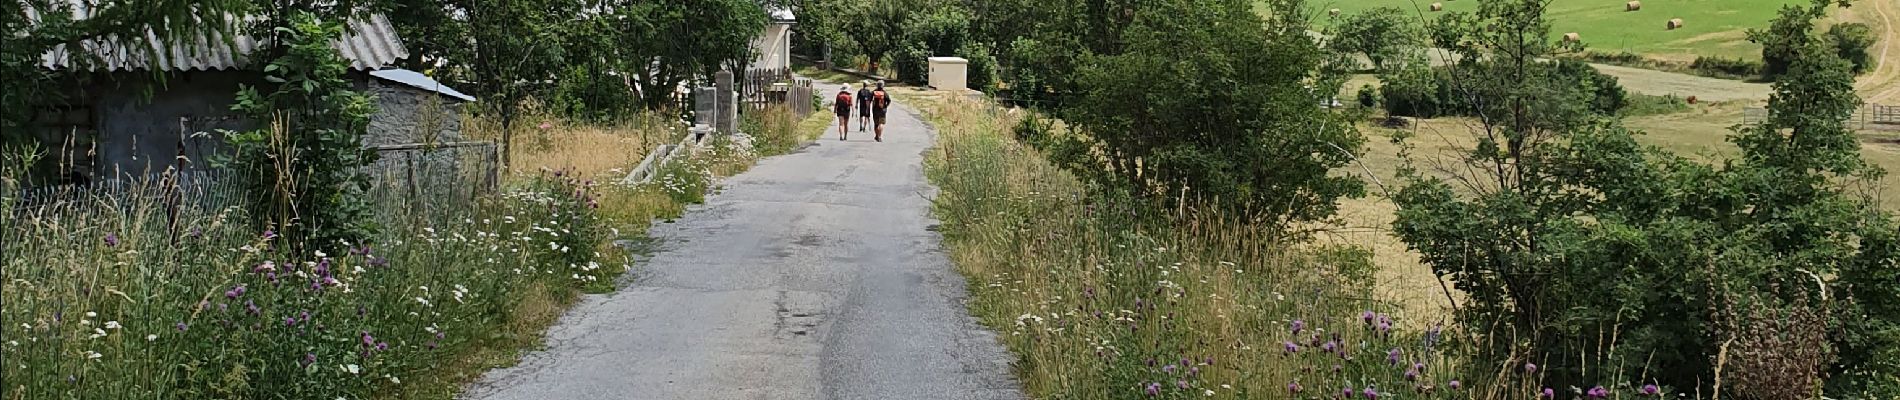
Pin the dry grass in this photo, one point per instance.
(590, 150)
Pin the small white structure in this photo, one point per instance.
(949, 73)
(774, 44)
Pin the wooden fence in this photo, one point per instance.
(1871, 117)
(760, 88)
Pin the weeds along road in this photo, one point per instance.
(815, 275)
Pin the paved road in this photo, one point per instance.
(813, 276)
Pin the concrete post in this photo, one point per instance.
(728, 118)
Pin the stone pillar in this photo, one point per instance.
(705, 106)
(728, 116)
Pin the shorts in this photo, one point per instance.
(864, 112)
(844, 113)
(880, 119)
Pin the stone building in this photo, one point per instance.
(127, 111)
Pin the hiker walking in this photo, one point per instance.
(843, 107)
(864, 98)
(880, 102)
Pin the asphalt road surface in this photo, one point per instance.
(815, 275)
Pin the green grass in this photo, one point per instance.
(1711, 27)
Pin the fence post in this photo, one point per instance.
(725, 122)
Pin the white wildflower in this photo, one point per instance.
(93, 355)
(352, 369)
(112, 324)
(151, 337)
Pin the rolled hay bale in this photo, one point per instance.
(1333, 12)
(1675, 23)
(1633, 6)
(1438, 6)
(1572, 37)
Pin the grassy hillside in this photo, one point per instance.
(1712, 27)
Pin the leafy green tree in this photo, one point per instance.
(1593, 250)
(306, 166)
(1385, 36)
(1851, 41)
(1234, 123)
(1787, 34)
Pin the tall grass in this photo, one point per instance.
(105, 299)
(119, 297)
(1103, 296)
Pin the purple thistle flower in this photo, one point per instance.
(1293, 387)
(1454, 385)
(1548, 394)
(1209, 360)
(251, 307)
(380, 346)
(368, 340)
(1392, 357)
(1329, 346)
(1181, 384)
(112, 239)
(1651, 390)
(1411, 374)
(195, 232)
(1370, 393)
(1151, 361)
(181, 326)
(1192, 371)
(1298, 325)
(1292, 348)
(430, 345)
(1418, 366)
(270, 234)
(1154, 389)
(233, 293)
(290, 321)
(1597, 392)
(1169, 369)
(1530, 368)
(1346, 393)
(1368, 316)
(304, 316)
(309, 358)
(1186, 362)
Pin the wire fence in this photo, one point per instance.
(405, 180)
(1870, 117)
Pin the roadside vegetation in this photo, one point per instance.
(1556, 251)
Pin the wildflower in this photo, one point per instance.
(270, 234)
(1154, 389)
(1293, 387)
(112, 324)
(1454, 385)
(1597, 392)
(545, 126)
(353, 369)
(290, 321)
(368, 340)
(1209, 360)
(1292, 348)
(234, 292)
(1530, 368)
(1370, 393)
(1298, 325)
(1169, 369)
(1329, 346)
(251, 307)
(1368, 316)
(112, 239)
(1182, 384)
(1411, 374)
(181, 326)
(151, 337)
(93, 355)
(1346, 393)
(90, 314)
(1548, 394)
(267, 266)
(380, 346)
(1651, 390)
(1392, 357)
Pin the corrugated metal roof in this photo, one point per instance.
(419, 81)
(781, 14)
(368, 44)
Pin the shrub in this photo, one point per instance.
(1368, 97)
(1412, 92)
(1851, 41)
(982, 68)
(1727, 67)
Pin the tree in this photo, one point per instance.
(1594, 250)
(1385, 36)
(1787, 34)
(1234, 123)
(1851, 41)
(305, 167)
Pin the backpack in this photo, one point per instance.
(844, 100)
(878, 99)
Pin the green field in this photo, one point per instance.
(1711, 27)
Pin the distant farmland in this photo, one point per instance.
(1711, 27)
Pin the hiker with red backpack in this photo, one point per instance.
(880, 101)
(843, 107)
